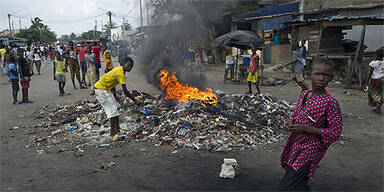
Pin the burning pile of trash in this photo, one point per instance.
(218, 122)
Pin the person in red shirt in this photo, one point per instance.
(96, 50)
(82, 50)
(315, 124)
(254, 68)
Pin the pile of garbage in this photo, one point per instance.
(236, 122)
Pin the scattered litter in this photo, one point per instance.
(229, 168)
(104, 145)
(72, 127)
(107, 166)
(236, 122)
(40, 152)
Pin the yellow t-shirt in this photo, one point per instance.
(108, 60)
(2, 52)
(59, 67)
(111, 79)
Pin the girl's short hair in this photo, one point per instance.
(327, 62)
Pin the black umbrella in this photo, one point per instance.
(241, 39)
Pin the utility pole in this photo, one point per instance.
(123, 28)
(102, 27)
(19, 24)
(141, 15)
(147, 16)
(95, 30)
(13, 27)
(110, 25)
(9, 22)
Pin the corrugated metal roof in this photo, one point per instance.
(283, 9)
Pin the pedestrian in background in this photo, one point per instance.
(315, 124)
(375, 92)
(96, 50)
(73, 65)
(13, 75)
(108, 63)
(91, 69)
(229, 67)
(82, 50)
(59, 70)
(253, 73)
(29, 56)
(2, 56)
(37, 60)
(25, 75)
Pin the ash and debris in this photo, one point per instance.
(237, 122)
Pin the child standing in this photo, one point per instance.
(25, 75)
(91, 69)
(253, 72)
(14, 77)
(59, 70)
(375, 93)
(315, 124)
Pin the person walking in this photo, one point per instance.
(375, 92)
(37, 60)
(91, 69)
(253, 73)
(73, 63)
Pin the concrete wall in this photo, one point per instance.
(313, 5)
(281, 54)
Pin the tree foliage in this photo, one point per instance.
(206, 9)
(37, 32)
(89, 35)
(107, 28)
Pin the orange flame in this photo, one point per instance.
(180, 92)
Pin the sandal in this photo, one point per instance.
(17, 103)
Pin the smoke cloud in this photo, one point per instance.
(166, 41)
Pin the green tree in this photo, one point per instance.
(37, 24)
(107, 28)
(37, 32)
(206, 9)
(89, 35)
(64, 38)
(72, 36)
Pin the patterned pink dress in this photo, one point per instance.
(322, 112)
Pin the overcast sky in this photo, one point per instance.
(66, 16)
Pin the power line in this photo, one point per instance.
(71, 20)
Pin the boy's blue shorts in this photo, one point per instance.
(15, 85)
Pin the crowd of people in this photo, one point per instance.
(21, 63)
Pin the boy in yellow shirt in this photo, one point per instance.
(106, 93)
(59, 69)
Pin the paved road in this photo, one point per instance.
(357, 165)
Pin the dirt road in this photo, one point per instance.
(354, 163)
